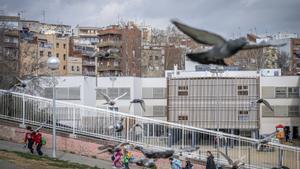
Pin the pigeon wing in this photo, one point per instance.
(120, 96)
(142, 103)
(230, 162)
(256, 46)
(265, 102)
(106, 97)
(200, 36)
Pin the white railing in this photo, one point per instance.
(91, 121)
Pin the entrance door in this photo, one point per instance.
(295, 132)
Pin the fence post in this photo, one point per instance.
(74, 120)
(23, 112)
(239, 146)
(127, 129)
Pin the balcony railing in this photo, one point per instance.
(109, 43)
(88, 63)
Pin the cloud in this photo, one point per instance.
(221, 16)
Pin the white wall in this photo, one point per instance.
(268, 123)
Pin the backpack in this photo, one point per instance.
(44, 141)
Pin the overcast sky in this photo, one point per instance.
(226, 17)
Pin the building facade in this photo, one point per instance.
(126, 39)
(283, 95)
(9, 49)
(227, 103)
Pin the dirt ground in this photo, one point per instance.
(18, 160)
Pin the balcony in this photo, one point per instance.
(112, 31)
(88, 63)
(108, 68)
(109, 43)
(10, 45)
(89, 73)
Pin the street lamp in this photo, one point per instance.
(53, 64)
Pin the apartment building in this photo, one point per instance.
(127, 40)
(9, 49)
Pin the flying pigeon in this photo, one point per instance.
(136, 125)
(233, 164)
(119, 126)
(109, 101)
(152, 153)
(265, 103)
(221, 48)
(188, 150)
(144, 162)
(111, 148)
(265, 140)
(281, 167)
(140, 101)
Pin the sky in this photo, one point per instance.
(228, 18)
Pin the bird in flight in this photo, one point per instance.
(266, 103)
(155, 153)
(221, 48)
(233, 164)
(140, 101)
(110, 101)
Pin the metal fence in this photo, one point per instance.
(96, 122)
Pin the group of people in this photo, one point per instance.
(33, 138)
(176, 164)
(121, 160)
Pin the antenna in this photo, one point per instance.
(44, 16)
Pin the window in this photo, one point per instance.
(280, 92)
(64, 56)
(57, 55)
(158, 93)
(293, 111)
(151, 58)
(64, 67)
(78, 69)
(49, 54)
(64, 93)
(243, 115)
(156, 57)
(159, 111)
(242, 90)
(183, 90)
(64, 46)
(41, 53)
(72, 68)
(57, 45)
(182, 117)
(293, 92)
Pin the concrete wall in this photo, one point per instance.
(267, 124)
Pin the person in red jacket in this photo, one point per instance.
(38, 142)
(29, 138)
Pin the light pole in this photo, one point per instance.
(53, 64)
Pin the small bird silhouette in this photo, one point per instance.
(140, 101)
(221, 48)
(265, 102)
(111, 148)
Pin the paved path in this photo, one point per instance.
(10, 146)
